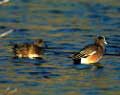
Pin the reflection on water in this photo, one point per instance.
(67, 25)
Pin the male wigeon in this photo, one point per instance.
(26, 50)
(91, 54)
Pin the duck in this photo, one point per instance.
(29, 50)
(91, 54)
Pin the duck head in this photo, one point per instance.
(40, 43)
(100, 40)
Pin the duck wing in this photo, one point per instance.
(85, 52)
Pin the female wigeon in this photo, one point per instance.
(91, 53)
(33, 50)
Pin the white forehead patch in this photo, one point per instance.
(104, 40)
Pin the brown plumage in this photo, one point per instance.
(33, 50)
(91, 53)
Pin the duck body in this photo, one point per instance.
(93, 55)
(90, 54)
(26, 50)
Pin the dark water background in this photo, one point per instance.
(68, 25)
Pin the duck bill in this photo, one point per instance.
(105, 42)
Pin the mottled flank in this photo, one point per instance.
(29, 50)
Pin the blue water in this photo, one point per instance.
(68, 26)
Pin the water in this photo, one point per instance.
(68, 25)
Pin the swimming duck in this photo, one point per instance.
(91, 54)
(32, 51)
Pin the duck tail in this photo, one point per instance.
(76, 61)
(14, 48)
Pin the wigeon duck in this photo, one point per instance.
(33, 50)
(91, 54)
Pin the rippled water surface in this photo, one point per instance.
(68, 25)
